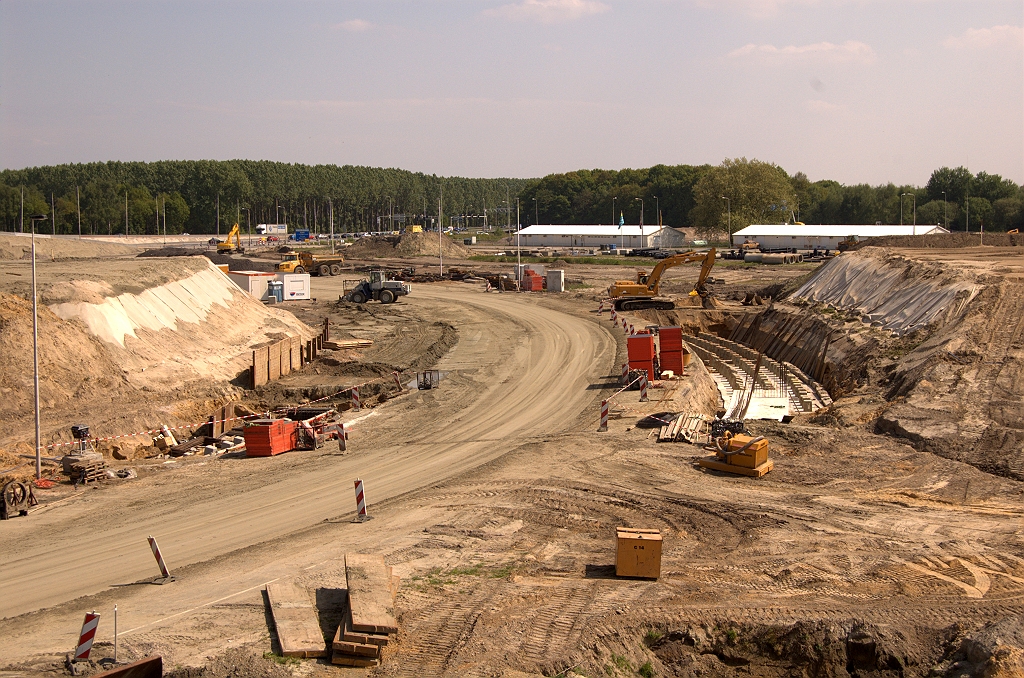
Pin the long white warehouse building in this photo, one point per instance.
(806, 237)
(629, 236)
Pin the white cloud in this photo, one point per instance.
(756, 8)
(849, 51)
(354, 26)
(819, 106)
(548, 11)
(986, 38)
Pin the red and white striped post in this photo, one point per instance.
(614, 317)
(342, 437)
(625, 326)
(625, 373)
(360, 502)
(600, 308)
(631, 330)
(88, 634)
(604, 416)
(398, 381)
(159, 558)
(355, 398)
(643, 387)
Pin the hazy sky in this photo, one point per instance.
(853, 90)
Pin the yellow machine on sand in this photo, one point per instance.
(633, 295)
(227, 247)
(304, 262)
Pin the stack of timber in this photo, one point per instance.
(298, 628)
(369, 621)
(691, 428)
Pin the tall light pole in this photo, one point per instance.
(35, 345)
(657, 209)
(642, 243)
(330, 204)
(614, 198)
(285, 222)
(536, 212)
(78, 203)
(391, 215)
(728, 211)
(248, 222)
(914, 196)
(945, 218)
(519, 227)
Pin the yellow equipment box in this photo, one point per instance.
(753, 456)
(638, 552)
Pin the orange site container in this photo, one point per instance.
(640, 347)
(670, 338)
(672, 360)
(267, 437)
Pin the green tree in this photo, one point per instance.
(758, 193)
(954, 182)
(978, 214)
(176, 211)
(937, 212)
(1008, 214)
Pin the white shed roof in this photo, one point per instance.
(829, 230)
(599, 230)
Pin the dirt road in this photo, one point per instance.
(519, 371)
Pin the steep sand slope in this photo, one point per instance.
(128, 347)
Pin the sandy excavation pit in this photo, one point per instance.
(886, 541)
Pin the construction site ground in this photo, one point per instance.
(494, 498)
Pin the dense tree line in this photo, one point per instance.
(188, 196)
(741, 192)
(206, 196)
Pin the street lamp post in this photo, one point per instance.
(945, 218)
(728, 211)
(519, 228)
(536, 212)
(657, 210)
(642, 243)
(285, 222)
(35, 345)
(248, 223)
(614, 198)
(914, 196)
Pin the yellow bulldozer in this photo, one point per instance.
(633, 295)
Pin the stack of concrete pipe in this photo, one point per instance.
(758, 257)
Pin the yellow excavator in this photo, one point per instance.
(227, 247)
(633, 295)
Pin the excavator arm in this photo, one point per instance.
(654, 279)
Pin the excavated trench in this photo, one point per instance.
(936, 349)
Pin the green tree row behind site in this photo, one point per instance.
(735, 193)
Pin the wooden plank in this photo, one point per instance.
(347, 635)
(298, 629)
(370, 594)
(713, 463)
(260, 376)
(275, 361)
(296, 351)
(285, 346)
(663, 434)
(348, 660)
(357, 649)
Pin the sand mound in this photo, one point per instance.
(945, 240)
(955, 380)
(124, 361)
(889, 291)
(18, 246)
(408, 245)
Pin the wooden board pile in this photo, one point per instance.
(691, 428)
(295, 619)
(369, 619)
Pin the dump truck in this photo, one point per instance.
(304, 262)
(378, 288)
(633, 295)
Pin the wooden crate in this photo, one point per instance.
(638, 552)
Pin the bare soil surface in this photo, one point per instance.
(19, 246)
(864, 553)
